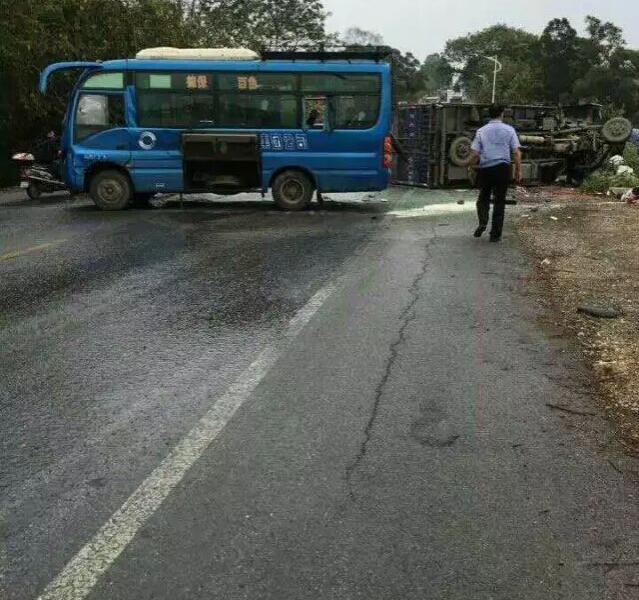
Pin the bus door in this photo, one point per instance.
(344, 140)
(99, 132)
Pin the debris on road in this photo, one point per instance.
(631, 196)
(572, 411)
(600, 312)
(606, 368)
(625, 170)
(619, 172)
(616, 161)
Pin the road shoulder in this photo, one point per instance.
(585, 267)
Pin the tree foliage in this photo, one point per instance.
(408, 79)
(557, 66)
(516, 49)
(258, 23)
(559, 56)
(606, 38)
(437, 74)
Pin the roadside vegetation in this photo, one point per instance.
(608, 177)
(584, 255)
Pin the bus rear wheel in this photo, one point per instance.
(293, 190)
(110, 190)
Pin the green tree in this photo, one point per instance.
(39, 32)
(521, 79)
(560, 59)
(606, 37)
(615, 82)
(408, 80)
(609, 70)
(259, 23)
(437, 73)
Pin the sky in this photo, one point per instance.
(423, 26)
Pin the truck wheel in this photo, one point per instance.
(460, 153)
(110, 190)
(617, 130)
(292, 190)
(34, 191)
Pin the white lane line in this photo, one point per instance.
(84, 570)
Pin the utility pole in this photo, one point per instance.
(498, 68)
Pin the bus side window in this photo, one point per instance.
(315, 112)
(356, 112)
(98, 112)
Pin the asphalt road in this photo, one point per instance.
(336, 404)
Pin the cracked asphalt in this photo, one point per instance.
(400, 446)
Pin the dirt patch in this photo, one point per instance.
(585, 252)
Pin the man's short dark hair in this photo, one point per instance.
(496, 111)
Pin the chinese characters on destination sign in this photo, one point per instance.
(197, 82)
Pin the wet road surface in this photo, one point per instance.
(389, 436)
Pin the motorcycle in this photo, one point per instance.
(39, 171)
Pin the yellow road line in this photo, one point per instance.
(38, 248)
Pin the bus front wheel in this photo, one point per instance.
(292, 190)
(111, 190)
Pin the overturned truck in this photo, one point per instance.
(567, 142)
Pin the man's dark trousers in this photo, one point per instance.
(493, 182)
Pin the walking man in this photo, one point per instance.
(495, 147)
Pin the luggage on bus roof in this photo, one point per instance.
(197, 54)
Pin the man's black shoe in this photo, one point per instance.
(479, 232)
(495, 238)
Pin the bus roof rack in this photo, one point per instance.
(323, 54)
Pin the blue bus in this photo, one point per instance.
(191, 121)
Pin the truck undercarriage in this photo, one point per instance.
(557, 142)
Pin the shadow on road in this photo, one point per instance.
(24, 202)
(83, 205)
